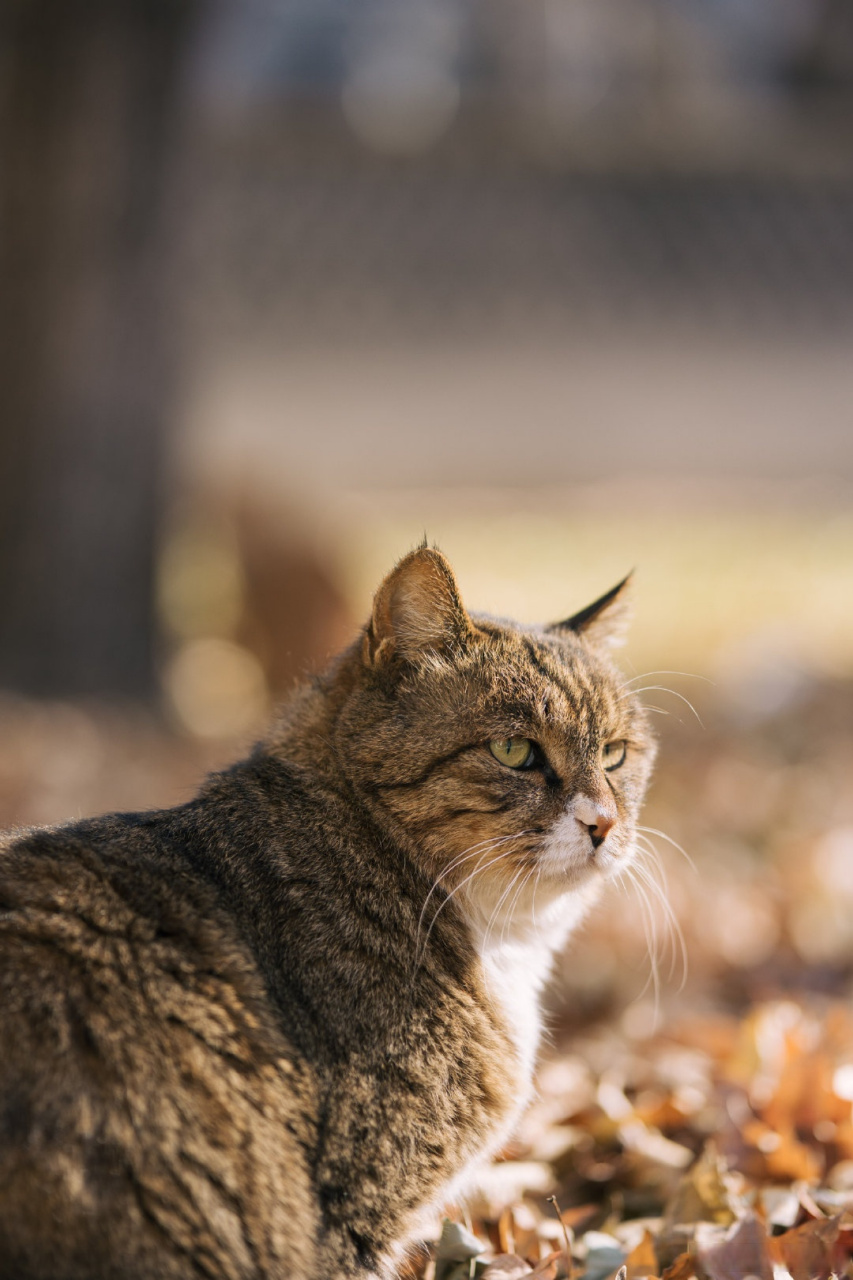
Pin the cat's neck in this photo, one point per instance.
(303, 733)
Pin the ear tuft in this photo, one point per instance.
(417, 609)
(604, 623)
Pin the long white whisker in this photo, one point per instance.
(691, 675)
(647, 688)
(484, 853)
(514, 902)
(484, 846)
(650, 934)
(676, 936)
(653, 831)
(477, 870)
(493, 918)
(645, 849)
(655, 870)
(464, 856)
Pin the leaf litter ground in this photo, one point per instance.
(709, 1138)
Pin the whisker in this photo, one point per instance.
(465, 856)
(646, 848)
(653, 831)
(493, 918)
(650, 934)
(514, 902)
(467, 853)
(676, 935)
(484, 852)
(477, 870)
(654, 869)
(691, 675)
(647, 688)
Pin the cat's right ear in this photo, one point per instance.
(604, 623)
(416, 610)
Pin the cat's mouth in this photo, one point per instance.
(570, 853)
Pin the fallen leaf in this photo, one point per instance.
(506, 1266)
(683, 1268)
(506, 1232)
(741, 1251)
(547, 1268)
(457, 1245)
(580, 1216)
(642, 1260)
(808, 1251)
(703, 1194)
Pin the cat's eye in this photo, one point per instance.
(613, 754)
(515, 753)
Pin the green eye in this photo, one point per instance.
(613, 754)
(515, 753)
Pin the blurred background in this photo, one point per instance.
(566, 285)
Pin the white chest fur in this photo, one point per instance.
(515, 975)
(517, 961)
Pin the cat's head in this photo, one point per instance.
(500, 750)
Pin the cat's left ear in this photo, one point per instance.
(604, 623)
(417, 609)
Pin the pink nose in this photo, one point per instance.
(598, 819)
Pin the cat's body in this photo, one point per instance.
(259, 1034)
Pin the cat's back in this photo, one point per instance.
(146, 1091)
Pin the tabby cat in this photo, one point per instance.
(260, 1034)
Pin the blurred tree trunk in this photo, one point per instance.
(88, 90)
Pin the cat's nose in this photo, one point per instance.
(598, 819)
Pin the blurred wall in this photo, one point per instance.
(586, 267)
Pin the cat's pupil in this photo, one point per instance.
(513, 752)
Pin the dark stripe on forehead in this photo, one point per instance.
(537, 656)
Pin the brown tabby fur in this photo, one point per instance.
(251, 1036)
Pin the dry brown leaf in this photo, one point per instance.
(703, 1194)
(527, 1244)
(715, 1035)
(683, 1268)
(547, 1268)
(659, 1111)
(809, 1205)
(579, 1217)
(808, 1251)
(506, 1266)
(785, 1157)
(642, 1260)
(804, 1096)
(736, 1254)
(506, 1232)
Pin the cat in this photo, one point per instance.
(260, 1034)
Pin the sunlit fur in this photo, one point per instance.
(260, 1034)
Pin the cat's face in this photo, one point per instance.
(500, 750)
